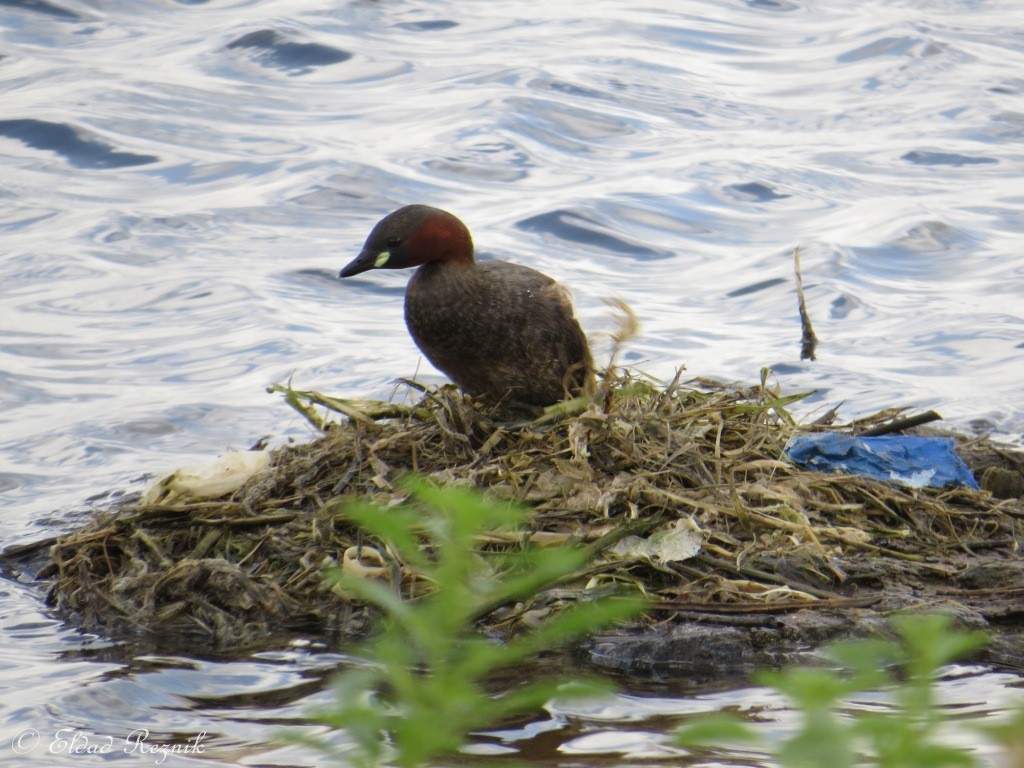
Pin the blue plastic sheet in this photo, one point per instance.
(917, 462)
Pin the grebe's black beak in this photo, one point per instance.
(364, 262)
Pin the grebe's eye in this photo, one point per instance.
(394, 242)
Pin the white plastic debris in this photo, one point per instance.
(225, 475)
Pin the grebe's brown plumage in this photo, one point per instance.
(499, 330)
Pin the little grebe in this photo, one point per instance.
(499, 330)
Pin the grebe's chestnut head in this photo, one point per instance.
(411, 236)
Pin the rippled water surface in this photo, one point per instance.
(180, 182)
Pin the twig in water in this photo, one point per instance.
(808, 341)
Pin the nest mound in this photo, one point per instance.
(770, 537)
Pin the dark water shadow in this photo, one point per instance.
(42, 7)
(574, 227)
(76, 145)
(270, 48)
(946, 158)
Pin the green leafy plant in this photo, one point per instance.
(906, 735)
(423, 689)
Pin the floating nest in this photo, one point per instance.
(698, 459)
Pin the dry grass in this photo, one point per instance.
(238, 570)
